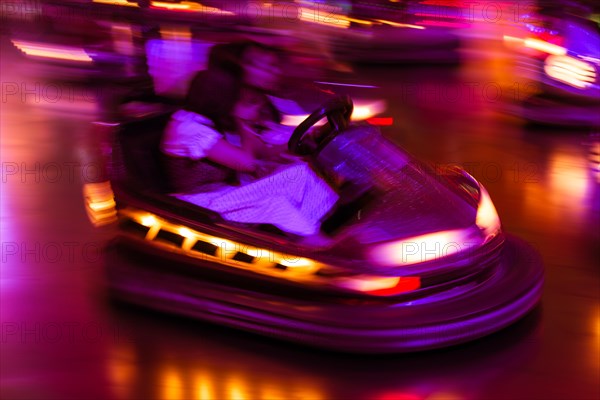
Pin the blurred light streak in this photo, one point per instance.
(381, 121)
(347, 84)
(418, 249)
(172, 384)
(570, 70)
(487, 217)
(543, 46)
(367, 284)
(398, 25)
(179, 33)
(569, 181)
(203, 386)
(170, 6)
(513, 40)
(52, 51)
(189, 6)
(329, 19)
(122, 369)
(363, 110)
(100, 203)
(236, 389)
(124, 3)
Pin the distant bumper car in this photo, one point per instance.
(417, 260)
(562, 50)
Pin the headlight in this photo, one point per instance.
(424, 248)
(433, 246)
(487, 217)
(570, 70)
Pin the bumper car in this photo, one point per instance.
(417, 258)
(560, 47)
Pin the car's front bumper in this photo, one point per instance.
(334, 321)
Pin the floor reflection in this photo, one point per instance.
(174, 358)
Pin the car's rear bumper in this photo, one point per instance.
(335, 322)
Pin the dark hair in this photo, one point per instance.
(213, 93)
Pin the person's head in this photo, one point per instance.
(261, 67)
(214, 93)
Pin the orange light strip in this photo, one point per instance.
(48, 51)
(299, 269)
(123, 3)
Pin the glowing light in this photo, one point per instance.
(398, 25)
(100, 203)
(367, 110)
(381, 121)
(569, 180)
(176, 33)
(189, 6)
(382, 286)
(487, 216)
(236, 389)
(149, 220)
(172, 384)
(299, 262)
(51, 51)
(362, 111)
(122, 371)
(170, 6)
(543, 46)
(295, 120)
(123, 3)
(328, 19)
(367, 284)
(185, 232)
(423, 248)
(513, 40)
(203, 386)
(266, 261)
(569, 70)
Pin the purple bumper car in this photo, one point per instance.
(416, 258)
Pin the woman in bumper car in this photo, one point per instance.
(225, 150)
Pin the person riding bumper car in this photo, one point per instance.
(416, 260)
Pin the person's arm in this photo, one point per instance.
(231, 156)
(251, 143)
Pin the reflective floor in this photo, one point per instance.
(63, 338)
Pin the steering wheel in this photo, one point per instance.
(337, 111)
